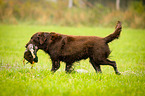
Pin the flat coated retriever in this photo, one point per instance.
(68, 48)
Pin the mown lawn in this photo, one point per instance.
(17, 80)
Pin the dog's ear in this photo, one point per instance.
(64, 41)
(54, 36)
(42, 37)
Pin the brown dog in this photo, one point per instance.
(69, 49)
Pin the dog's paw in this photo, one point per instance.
(118, 73)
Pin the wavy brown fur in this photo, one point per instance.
(68, 48)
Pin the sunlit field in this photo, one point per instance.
(19, 80)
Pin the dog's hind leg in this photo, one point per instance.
(96, 66)
(111, 63)
(55, 65)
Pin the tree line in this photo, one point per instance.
(73, 12)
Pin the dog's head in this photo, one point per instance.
(38, 39)
(41, 39)
(30, 53)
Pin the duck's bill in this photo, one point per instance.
(27, 62)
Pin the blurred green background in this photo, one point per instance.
(73, 12)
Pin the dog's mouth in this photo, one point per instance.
(30, 54)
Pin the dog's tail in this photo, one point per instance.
(114, 35)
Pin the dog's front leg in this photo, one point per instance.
(55, 65)
(98, 69)
(69, 68)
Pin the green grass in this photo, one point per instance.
(17, 80)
